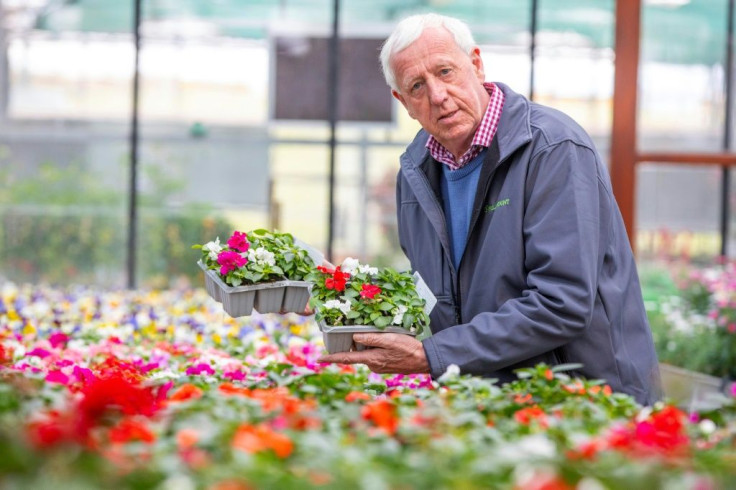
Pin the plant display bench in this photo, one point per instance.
(269, 297)
(692, 390)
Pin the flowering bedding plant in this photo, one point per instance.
(256, 256)
(358, 294)
(155, 390)
(695, 327)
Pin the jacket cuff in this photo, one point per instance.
(436, 366)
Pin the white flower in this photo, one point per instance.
(707, 426)
(261, 256)
(367, 269)
(337, 304)
(399, 316)
(213, 248)
(452, 371)
(349, 265)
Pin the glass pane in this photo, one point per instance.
(574, 64)
(681, 76)
(65, 96)
(678, 212)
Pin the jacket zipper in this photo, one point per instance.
(455, 276)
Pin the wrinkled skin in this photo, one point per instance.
(389, 353)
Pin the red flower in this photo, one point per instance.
(661, 433)
(664, 430)
(337, 281)
(369, 291)
(383, 414)
(239, 242)
(50, 431)
(114, 394)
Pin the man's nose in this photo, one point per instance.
(437, 92)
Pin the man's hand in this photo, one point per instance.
(389, 353)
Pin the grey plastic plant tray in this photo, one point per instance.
(267, 297)
(340, 338)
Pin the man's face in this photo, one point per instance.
(441, 87)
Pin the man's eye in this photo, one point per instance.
(416, 86)
(445, 71)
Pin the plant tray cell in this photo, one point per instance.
(340, 338)
(270, 297)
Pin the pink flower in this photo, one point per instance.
(200, 369)
(58, 339)
(39, 352)
(57, 377)
(234, 375)
(239, 242)
(230, 261)
(83, 375)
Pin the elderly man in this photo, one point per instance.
(506, 210)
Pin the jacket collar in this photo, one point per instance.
(514, 130)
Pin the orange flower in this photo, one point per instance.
(254, 439)
(549, 375)
(129, 430)
(605, 389)
(383, 414)
(186, 392)
(577, 387)
(230, 485)
(231, 389)
(356, 395)
(187, 438)
(527, 415)
(522, 399)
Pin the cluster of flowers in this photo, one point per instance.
(156, 390)
(358, 294)
(702, 316)
(256, 256)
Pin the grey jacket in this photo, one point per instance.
(547, 275)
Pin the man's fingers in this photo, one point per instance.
(344, 357)
(384, 340)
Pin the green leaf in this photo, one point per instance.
(408, 320)
(386, 306)
(382, 322)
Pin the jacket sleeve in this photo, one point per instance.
(567, 211)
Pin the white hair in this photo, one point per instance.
(411, 28)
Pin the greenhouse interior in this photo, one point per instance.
(213, 273)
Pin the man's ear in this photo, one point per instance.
(477, 62)
(400, 98)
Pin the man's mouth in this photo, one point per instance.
(447, 116)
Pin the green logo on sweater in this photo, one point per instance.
(492, 207)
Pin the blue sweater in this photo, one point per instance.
(458, 196)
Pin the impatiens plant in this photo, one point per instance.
(696, 329)
(358, 294)
(157, 390)
(255, 257)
